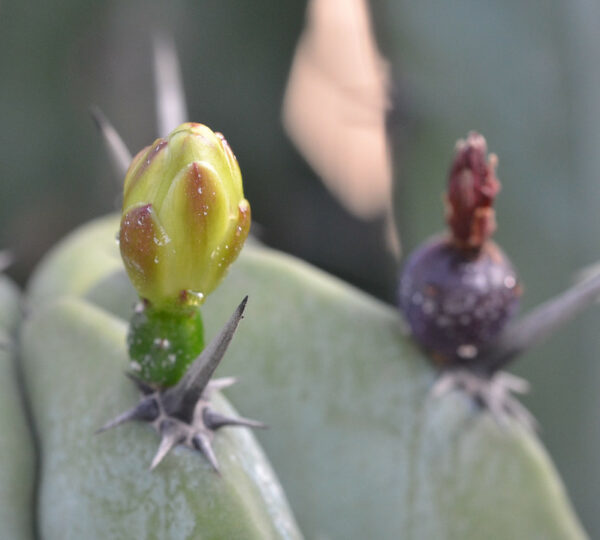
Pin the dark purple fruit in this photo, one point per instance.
(458, 291)
(457, 302)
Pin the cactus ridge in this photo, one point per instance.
(183, 414)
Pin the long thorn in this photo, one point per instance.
(119, 154)
(215, 420)
(518, 411)
(512, 383)
(203, 445)
(444, 384)
(185, 394)
(146, 410)
(541, 322)
(168, 441)
(216, 385)
(171, 109)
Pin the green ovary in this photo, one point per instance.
(163, 343)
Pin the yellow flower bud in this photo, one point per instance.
(185, 217)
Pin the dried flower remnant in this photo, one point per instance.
(472, 188)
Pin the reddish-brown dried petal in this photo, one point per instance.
(140, 242)
(239, 233)
(472, 188)
(201, 195)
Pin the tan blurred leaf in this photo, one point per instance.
(335, 105)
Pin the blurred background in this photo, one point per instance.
(524, 73)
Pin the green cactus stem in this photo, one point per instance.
(183, 414)
(163, 343)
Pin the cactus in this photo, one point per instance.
(99, 486)
(359, 446)
(184, 221)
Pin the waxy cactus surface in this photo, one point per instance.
(360, 448)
